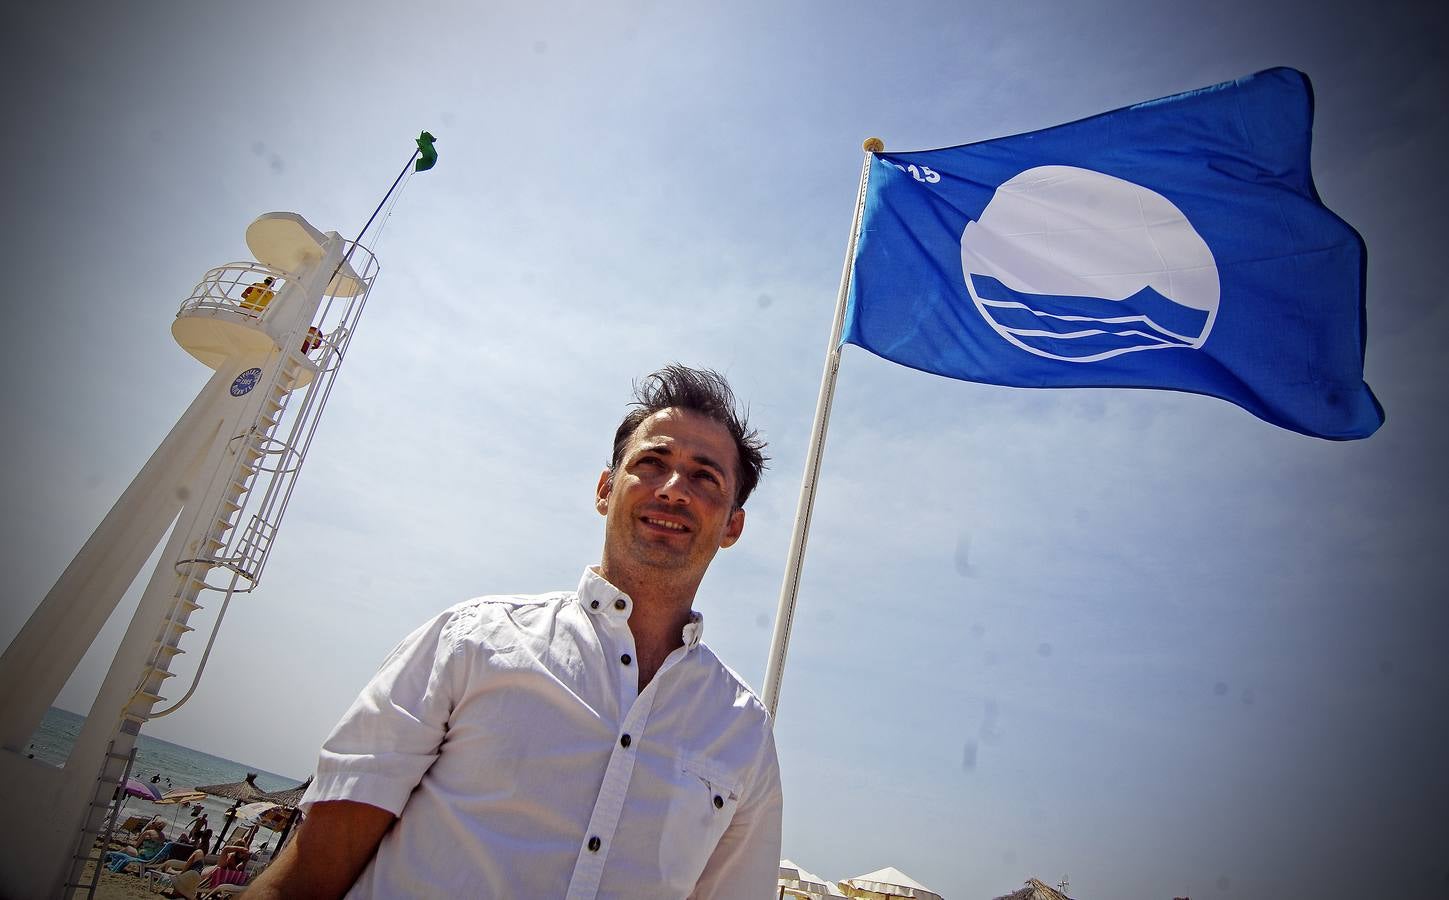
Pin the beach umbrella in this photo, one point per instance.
(246, 790)
(182, 795)
(1035, 890)
(889, 882)
(178, 797)
(255, 810)
(137, 788)
(289, 798)
(797, 882)
(277, 818)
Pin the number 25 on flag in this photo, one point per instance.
(921, 173)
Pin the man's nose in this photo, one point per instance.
(674, 488)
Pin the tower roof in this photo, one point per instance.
(286, 241)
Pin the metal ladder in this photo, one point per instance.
(93, 841)
(258, 443)
(221, 546)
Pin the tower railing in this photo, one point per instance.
(224, 289)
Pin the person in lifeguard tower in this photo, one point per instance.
(256, 297)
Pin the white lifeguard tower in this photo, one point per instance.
(275, 331)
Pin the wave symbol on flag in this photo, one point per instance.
(1081, 266)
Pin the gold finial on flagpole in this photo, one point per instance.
(873, 145)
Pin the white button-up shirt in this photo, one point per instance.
(510, 736)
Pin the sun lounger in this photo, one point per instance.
(117, 860)
(129, 830)
(181, 884)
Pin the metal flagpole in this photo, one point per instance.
(784, 616)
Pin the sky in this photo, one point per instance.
(1139, 640)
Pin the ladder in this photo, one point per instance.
(261, 455)
(93, 842)
(258, 443)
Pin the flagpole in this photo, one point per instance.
(790, 588)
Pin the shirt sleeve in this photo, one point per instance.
(392, 733)
(745, 863)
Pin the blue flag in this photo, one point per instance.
(1178, 244)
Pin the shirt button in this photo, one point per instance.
(594, 604)
(620, 604)
(595, 844)
(626, 659)
(718, 802)
(625, 741)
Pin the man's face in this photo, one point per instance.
(670, 502)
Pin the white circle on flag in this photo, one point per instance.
(1081, 266)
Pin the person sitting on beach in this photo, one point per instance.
(580, 743)
(230, 868)
(151, 839)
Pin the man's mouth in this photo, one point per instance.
(665, 524)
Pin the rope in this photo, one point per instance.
(387, 214)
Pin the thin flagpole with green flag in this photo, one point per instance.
(423, 158)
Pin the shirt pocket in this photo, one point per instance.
(704, 797)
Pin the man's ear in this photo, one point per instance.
(734, 528)
(602, 491)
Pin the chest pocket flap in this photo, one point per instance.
(705, 797)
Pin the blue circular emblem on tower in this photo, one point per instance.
(246, 381)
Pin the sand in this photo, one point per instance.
(120, 887)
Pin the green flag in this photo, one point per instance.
(429, 154)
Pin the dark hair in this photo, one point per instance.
(702, 391)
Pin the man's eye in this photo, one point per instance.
(707, 476)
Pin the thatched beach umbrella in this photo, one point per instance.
(291, 797)
(1035, 890)
(246, 791)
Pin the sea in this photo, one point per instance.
(166, 766)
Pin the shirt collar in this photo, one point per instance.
(600, 598)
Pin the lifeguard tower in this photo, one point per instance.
(276, 331)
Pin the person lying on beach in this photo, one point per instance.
(581, 743)
(120, 860)
(181, 878)
(196, 861)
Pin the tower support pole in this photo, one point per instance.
(184, 482)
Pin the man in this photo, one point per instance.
(577, 744)
(198, 828)
(258, 296)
